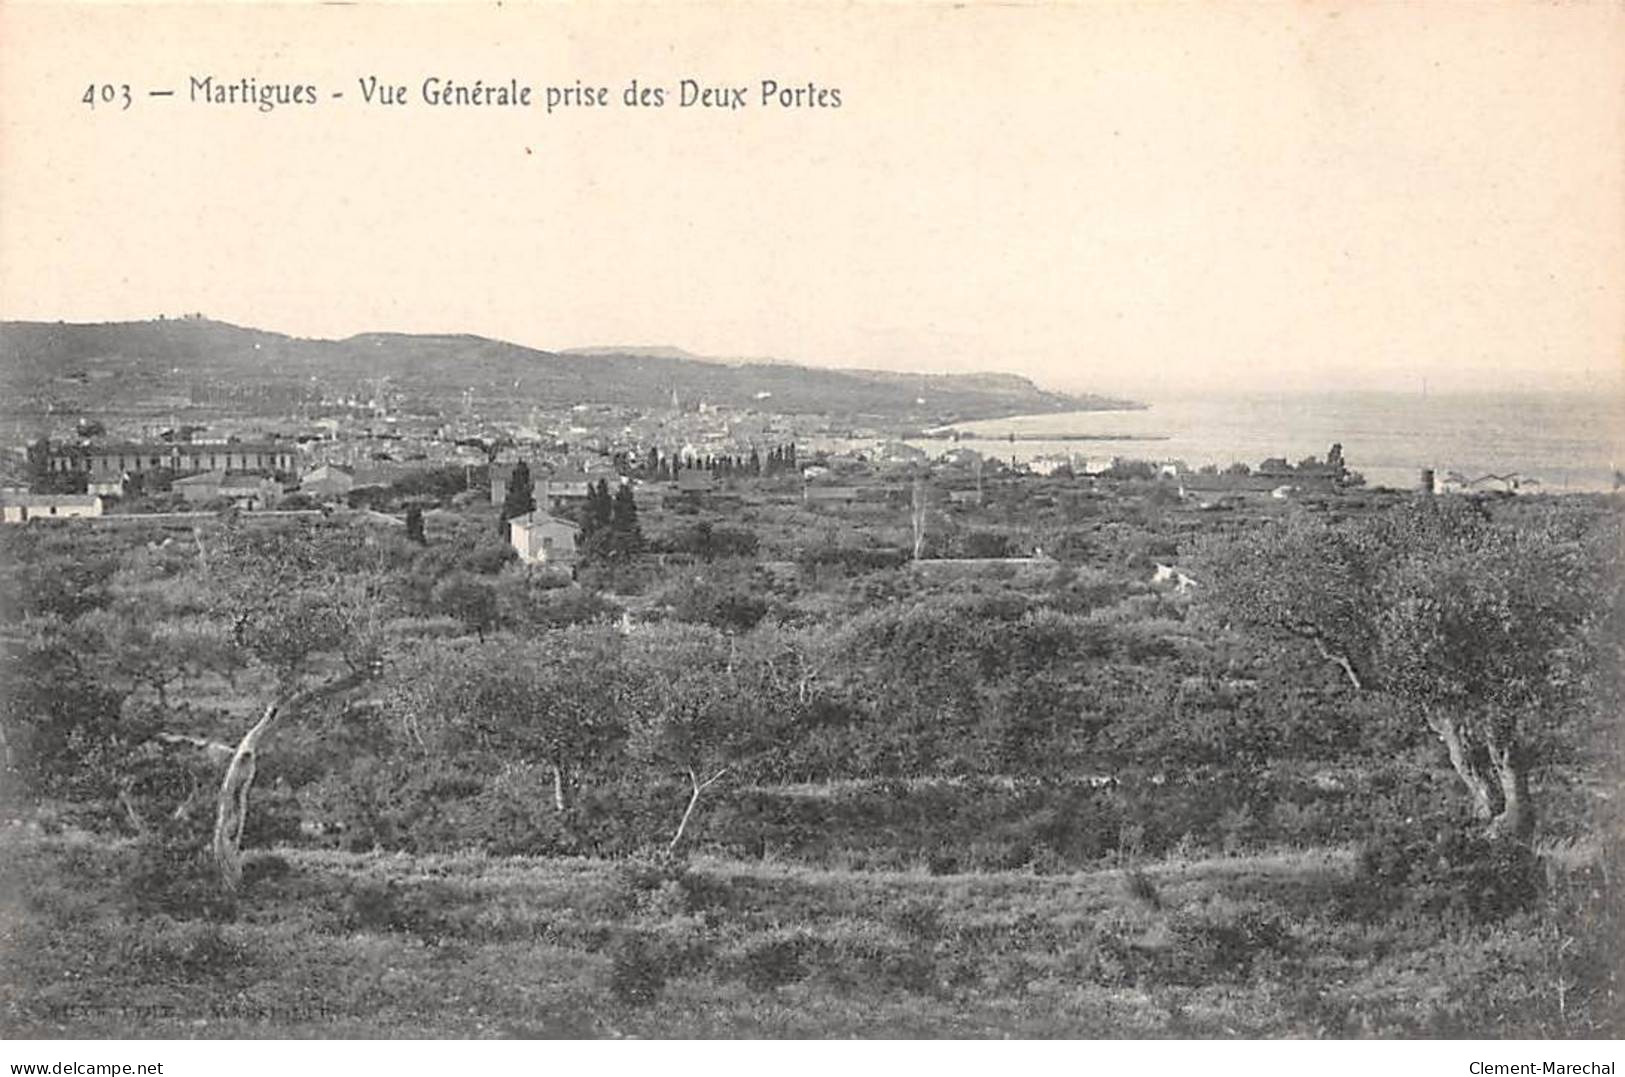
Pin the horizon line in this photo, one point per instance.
(1567, 382)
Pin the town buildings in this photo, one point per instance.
(18, 508)
(327, 483)
(244, 491)
(111, 460)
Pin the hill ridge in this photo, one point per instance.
(43, 361)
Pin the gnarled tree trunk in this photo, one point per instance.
(1516, 820)
(1472, 765)
(232, 809)
(1495, 769)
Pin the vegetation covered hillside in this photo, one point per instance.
(755, 770)
(90, 366)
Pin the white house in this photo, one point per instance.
(547, 491)
(327, 482)
(543, 540)
(1454, 482)
(1049, 464)
(20, 508)
(118, 486)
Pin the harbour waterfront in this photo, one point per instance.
(1569, 442)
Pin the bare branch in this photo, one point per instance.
(1339, 660)
(213, 747)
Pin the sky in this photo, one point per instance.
(1134, 198)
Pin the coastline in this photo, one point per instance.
(1564, 441)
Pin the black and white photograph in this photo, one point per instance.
(816, 521)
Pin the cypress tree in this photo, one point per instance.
(520, 498)
(626, 533)
(602, 509)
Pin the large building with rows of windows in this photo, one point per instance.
(186, 458)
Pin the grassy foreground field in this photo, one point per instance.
(333, 944)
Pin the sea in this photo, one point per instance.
(1565, 441)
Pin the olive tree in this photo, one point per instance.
(1302, 579)
(701, 704)
(1482, 628)
(303, 606)
(131, 647)
(552, 701)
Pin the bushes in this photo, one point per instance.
(955, 827)
(1219, 948)
(1454, 874)
(1191, 947)
(851, 558)
(775, 959)
(1584, 923)
(959, 825)
(724, 604)
(638, 968)
(432, 910)
(170, 872)
(190, 951)
(668, 938)
(274, 819)
(431, 805)
(561, 607)
(650, 879)
(1139, 888)
(707, 541)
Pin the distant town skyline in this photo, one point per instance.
(1138, 200)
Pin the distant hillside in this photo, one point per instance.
(640, 351)
(70, 367)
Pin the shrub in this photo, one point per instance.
(1585, 921)
(872, 958)
(986, 544)
(274, 820)
(386, 905)
(1205, 948)
(1454, 873)
(659, 885)
(1110, 957)
(264, 866)
(638, 968)
(166, 949)
(1141, 890)
(724, 604)
(369, 904)
(171, 873)
(918, 920)
(772, 961)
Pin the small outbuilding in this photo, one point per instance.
(544, 540)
